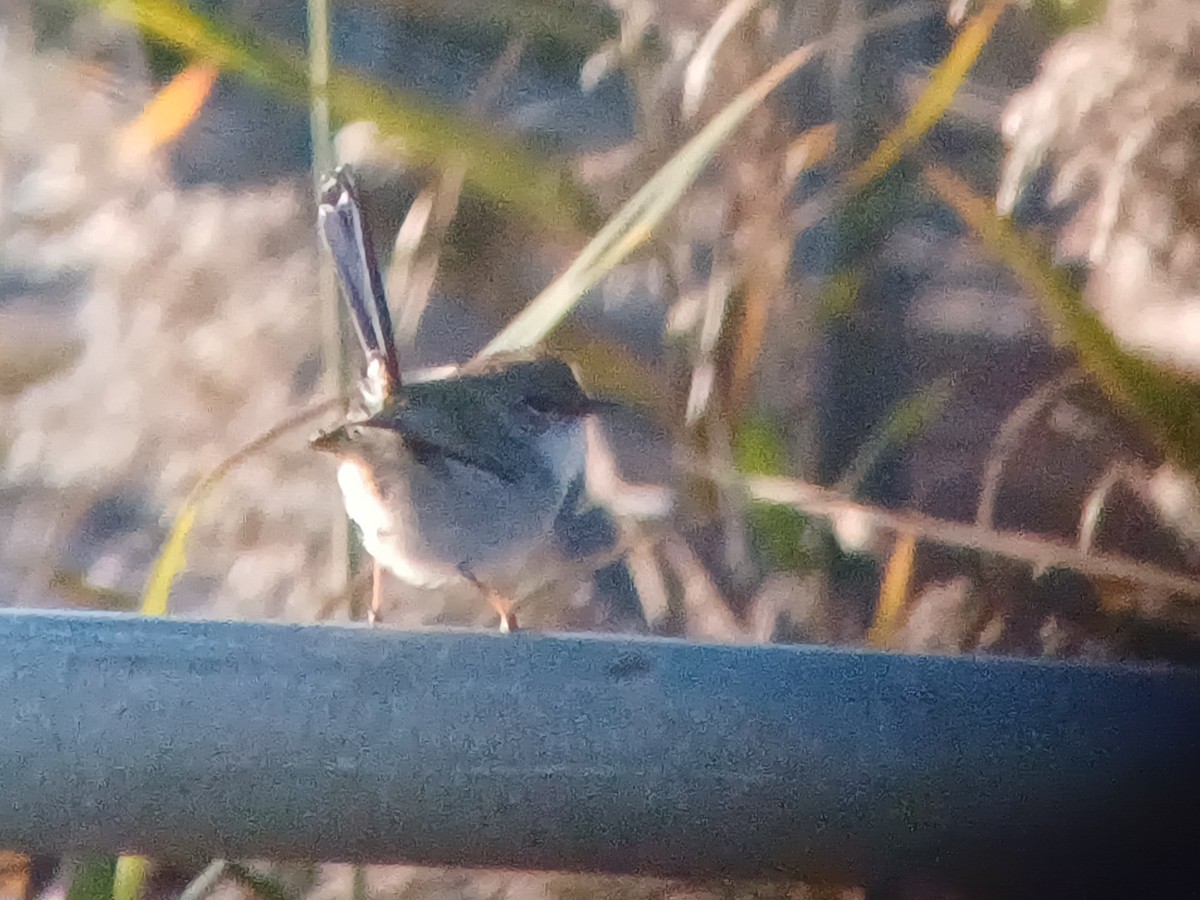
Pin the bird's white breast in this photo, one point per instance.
(382, 533)
(433, 521)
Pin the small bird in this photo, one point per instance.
(469, 484)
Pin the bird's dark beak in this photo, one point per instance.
(336, 441)
(599, 407)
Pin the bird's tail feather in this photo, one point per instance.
(344, 229)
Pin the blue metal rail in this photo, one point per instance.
(191, 740)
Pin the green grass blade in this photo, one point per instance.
(499, 167)
(637, 219)
(1168, 405)
(907, 421)
(944, 83)
(568, 30)
(129, 877)
(92, 878)
(172, 558)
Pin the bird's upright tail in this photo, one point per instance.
(342, 224)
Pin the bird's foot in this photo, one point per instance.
(503, 606)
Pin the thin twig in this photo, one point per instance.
(704, 368)
(343, 597)
(708, 616)
(337, 373)
(1041, 554)
(171, 555)
(1009, 438)
(629, 228)
(417, 253)
(206, 882)
(700, 66)
(1122, 472)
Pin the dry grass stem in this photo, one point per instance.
(1008, 440)
(1040, 554)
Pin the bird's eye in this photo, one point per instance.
(541, 404)
(529, 420)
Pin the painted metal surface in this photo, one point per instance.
(192, 740)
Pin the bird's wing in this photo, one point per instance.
(458, 426)
(582, 529)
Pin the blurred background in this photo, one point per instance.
(912, 363)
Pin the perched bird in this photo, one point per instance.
(472, 484)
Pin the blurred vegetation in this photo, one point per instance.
(801, 214)
(497, 166)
